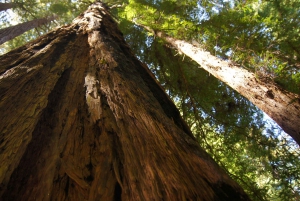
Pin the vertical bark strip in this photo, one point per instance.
(83, 119)
(282, 106)
(9, 33)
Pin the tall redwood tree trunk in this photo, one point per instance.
(9, 33)
(83, 119)
(282, 106)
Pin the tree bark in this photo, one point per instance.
(5, 6)
(83, 119)
(9, 33)
(282, 106)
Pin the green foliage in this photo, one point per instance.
(260, 36)
(58, 8)
(170, 16)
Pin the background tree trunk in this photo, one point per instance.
(83, 119)
(282, 106)
(5, 6)
(9, 33)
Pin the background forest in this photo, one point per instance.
(261, 36)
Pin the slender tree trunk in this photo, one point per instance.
(282, 106)
(5, 6)
(83, 119)
(9, 33)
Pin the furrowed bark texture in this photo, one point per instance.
(282, 106)
(83, 119)
(9, 33)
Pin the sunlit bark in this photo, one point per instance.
(282, 106)
(83, 119)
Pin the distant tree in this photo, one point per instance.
(83, 119)
(282, 106)
(9, 33)
(5, 6)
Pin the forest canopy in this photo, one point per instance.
(260, 36)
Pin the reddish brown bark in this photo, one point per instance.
(83, 119)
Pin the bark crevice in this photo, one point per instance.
(41, 137)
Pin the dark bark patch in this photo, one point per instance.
(118, 192)
(89, 178)
(225, 192)
(270, 94)
(67, 186)
(89, 166)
